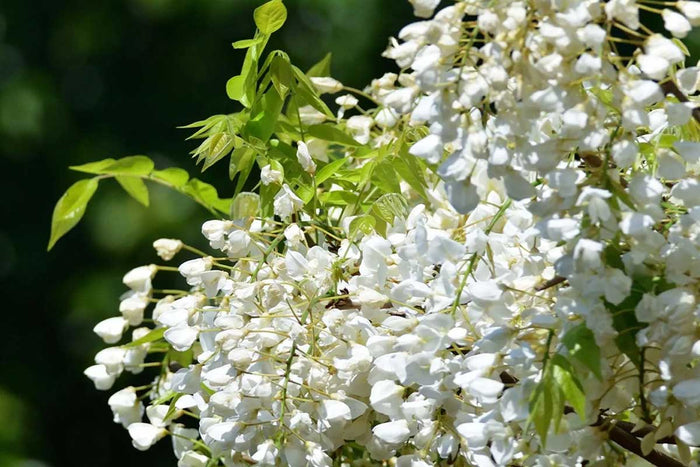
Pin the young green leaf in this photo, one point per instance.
(70, 208)
(307, 94)
(93, 167)
(322, 68)
(385, 177)
(328, 170)
(569, 384)
(305, 192)
(135, 187)
(207, 195)
(541, 408)
(331, 133)
(245, 205)
(245, 43)
(410, 171)
(235, 88)
(281, 74)
(172, 176)
(583, 347)
(391, 205)
(270, 16)
(264, 116)
(338, 198)
(241, 158)
(364, 224)
(154, 335)
(132, 165)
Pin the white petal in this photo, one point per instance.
(334, 411)
(145, 435)
(111, 329)
(689, 434)
(392, 432)
(181, 337)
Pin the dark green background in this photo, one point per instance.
(82, 80)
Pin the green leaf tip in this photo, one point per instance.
(70, 208)
(270, 16)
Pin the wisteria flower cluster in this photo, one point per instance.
(490, 257)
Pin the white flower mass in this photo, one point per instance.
(544, 293)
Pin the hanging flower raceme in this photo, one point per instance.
(496, 262)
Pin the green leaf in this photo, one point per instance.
(328, 132)
(385, 177)
(569, 384)
(582, 346)
(541, 408)
(215, 148)
(306, 92)
(165, 398)
(338, 198)
(241, 88)
(207, 195)
(152, 336)
(681, 46)
(626, 324)
(235, 88)
(281, 74)
(93, 167)
(70, 208)
(264, 115)
(328, 170)
(322, 68)
(245, 205)
(135, 187)
(172, 176)
(390, 206)
(270, 16)
(267, 198)
(245, 43)
(241, 158)
(411, 172)
(132, 165)
(364, 224)
(305, 193)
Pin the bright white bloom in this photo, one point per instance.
(167, 248)
(269, 175)
(145, 435)
(111, 329)
(286, 202)
(139, 279)
(304, 158)
(326, 84)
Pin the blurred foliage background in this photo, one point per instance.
(84, 80)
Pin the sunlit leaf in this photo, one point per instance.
(364, 224)
(583, 347)
(328, 170)
(93, 167)
(391, 205)
(331, 133)
(245, 43)
(70, 208)
(569, 384)
(135, 187)
(152, 336)
(270, 16)
(172, 176)
(322, 68)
